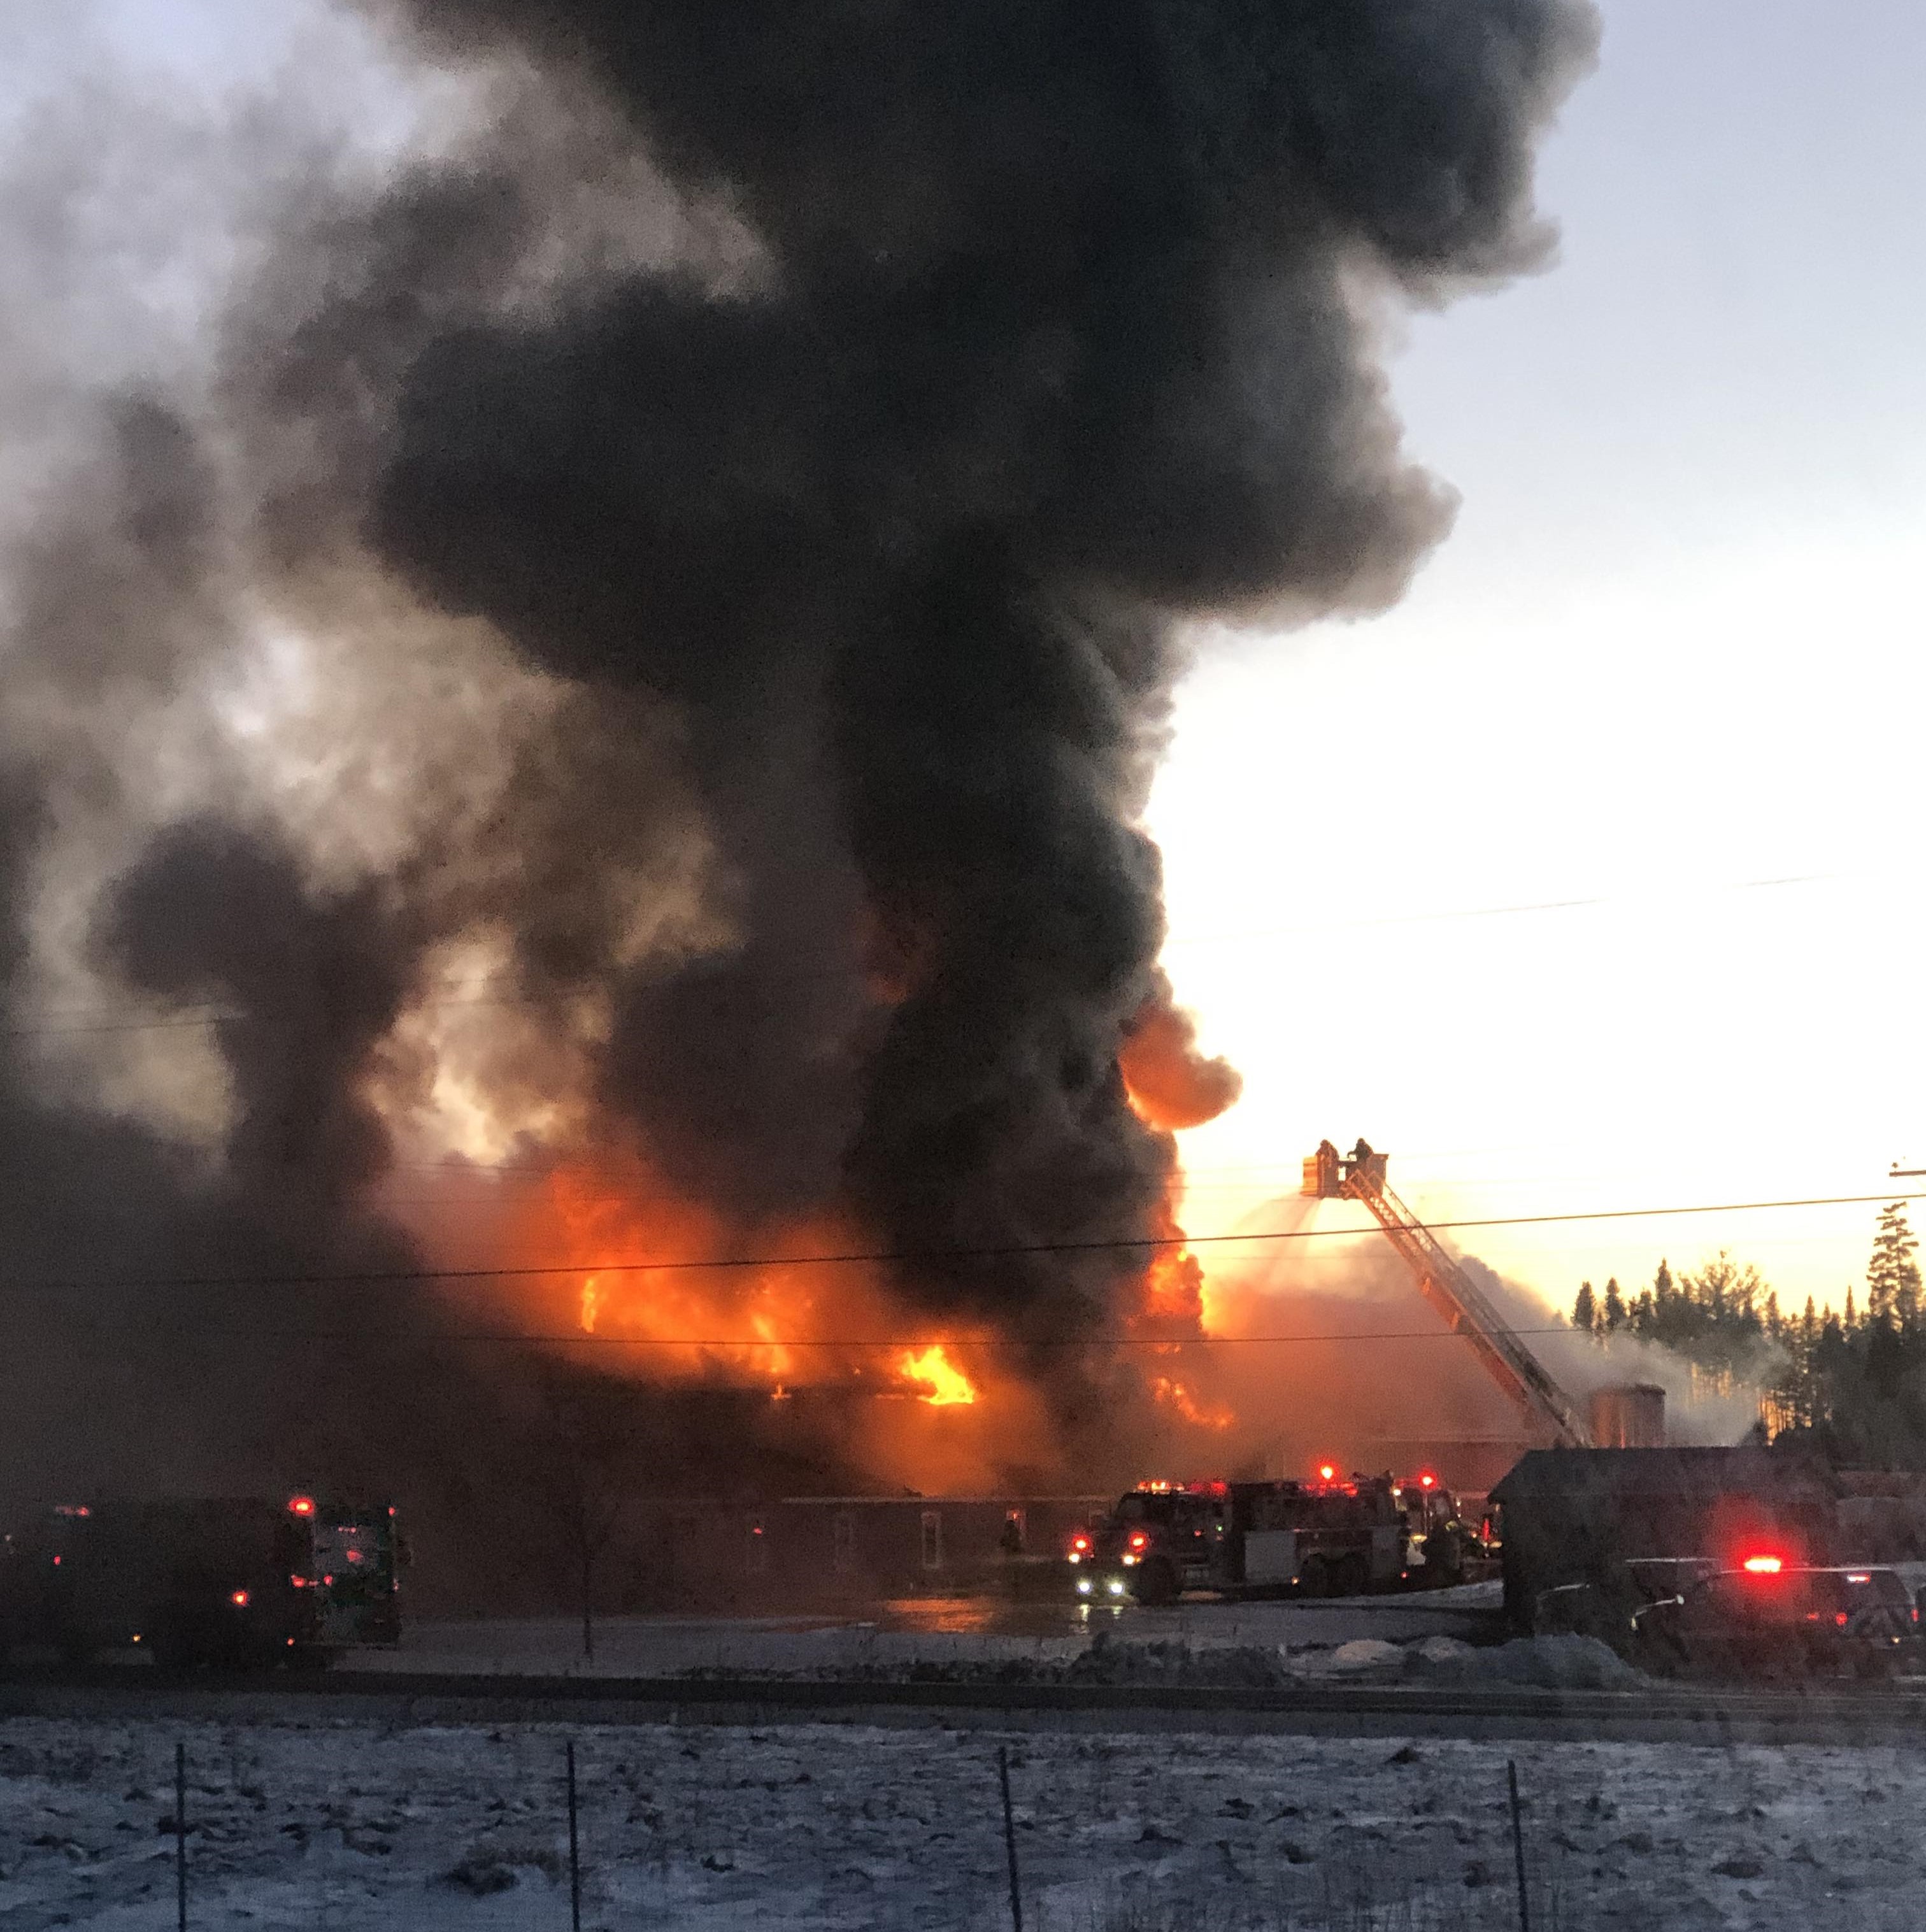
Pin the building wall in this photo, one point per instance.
(722, 1555)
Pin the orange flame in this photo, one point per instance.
(945, 1384)
(739, 1321)
(1200, 1415)
(1172, 1307)
(601, 1256)
(771, 1323)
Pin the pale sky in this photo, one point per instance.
(1671, 650)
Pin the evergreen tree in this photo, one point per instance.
(1613, 1314)
(1892, 1275)
(1726, 1294)
(1585, 1309)
(1664, 1303)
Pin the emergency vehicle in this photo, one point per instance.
(1769, 1617)
(1327, 1537)
(234, 1581)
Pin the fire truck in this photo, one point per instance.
(232, 1581)
(1440, 1541)
(1326, 1538)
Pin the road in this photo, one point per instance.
(971, 1663)
(926, 1630)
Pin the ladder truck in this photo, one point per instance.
(1468, 1310)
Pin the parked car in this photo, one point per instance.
(1768, 1618)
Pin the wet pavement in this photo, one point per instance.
(908, 1631)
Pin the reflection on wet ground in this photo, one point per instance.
(986, 1616)
(1196, 1619)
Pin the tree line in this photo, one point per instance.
(1851, 1381)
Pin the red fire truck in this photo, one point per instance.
(1328, 1538)
(233, 1581)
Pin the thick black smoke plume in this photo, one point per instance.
(1063, 329)
(838, 410)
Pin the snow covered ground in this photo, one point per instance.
(357, 1826)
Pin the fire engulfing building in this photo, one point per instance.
(709, 533)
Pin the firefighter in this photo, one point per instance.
(1444, 1553)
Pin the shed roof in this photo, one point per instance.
(1680, 1473)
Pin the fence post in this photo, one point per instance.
(1010, 1840)
(181, 1835)
(1518, 1847)
(575, 1851)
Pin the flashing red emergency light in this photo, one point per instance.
(1138, 1540)
(238, 1598)
(1327, 1471)
(300, 1505)
(1764, 1566)
(1427, 1481)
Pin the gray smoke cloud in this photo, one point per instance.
(734, 495)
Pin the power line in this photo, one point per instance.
(757, 1345)
(1140, 1244)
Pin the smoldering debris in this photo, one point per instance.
(710, 526)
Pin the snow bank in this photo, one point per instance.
(1567, 1663)
(1367, 1654)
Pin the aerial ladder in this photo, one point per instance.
(1468, 1310)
